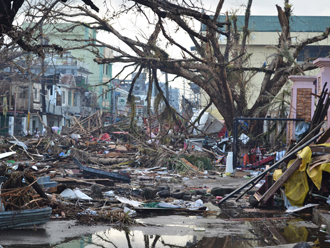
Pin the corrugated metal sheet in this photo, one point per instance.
(271, 23)
(28, 217)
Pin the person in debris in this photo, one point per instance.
(37, 133)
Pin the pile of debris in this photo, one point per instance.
(303, 177)
(86, 174)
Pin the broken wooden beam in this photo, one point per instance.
(324, 137)
(252, 181)
(283, 178)
(30, 179)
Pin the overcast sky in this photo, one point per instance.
(267, 7)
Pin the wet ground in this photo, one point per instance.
(234, 226)
(251, 228)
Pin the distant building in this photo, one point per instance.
(56, 34)
(264, 34)
(66, 85)
(140, 92)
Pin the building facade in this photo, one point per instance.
(265, 31)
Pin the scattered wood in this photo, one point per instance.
(193, 167)
(100, 182)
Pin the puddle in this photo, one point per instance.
(259, 234)
(253, 228)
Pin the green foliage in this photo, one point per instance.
(201, 162)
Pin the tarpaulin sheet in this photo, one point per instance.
(296, 187)
(316, 173)
(277, 174)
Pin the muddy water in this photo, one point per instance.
(251, 228)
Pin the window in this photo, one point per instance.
(23, 92)
(63, 97)
(104, 94)
(139, 111)
(309, 53)
(70, 98)
(75, 99)
(106, 69)
(36, 94)
(58, 100)
(34, 124)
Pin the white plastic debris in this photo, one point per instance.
(68, 194)
(19, 143)
(178, 202)
(196, 205)
(75, 136)
(88, 212)
(244, 138)
(294, 209)
(131, 202)
(74, 194)
(110, 193)
(328, 201)
(130, 212)
(82, 195)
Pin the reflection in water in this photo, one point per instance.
(257, 234)
(130, 239)
(294, 233)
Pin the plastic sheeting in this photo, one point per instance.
(301, 130)
(277, 174)
(316, 173)
(296, 188)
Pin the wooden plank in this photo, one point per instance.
(81, 127)
(100, 182)
(285, 176)
(324, 137)
(258, 196)
(321, 149)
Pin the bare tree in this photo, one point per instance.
(12, 15)
(222, 73)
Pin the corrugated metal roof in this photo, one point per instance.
(271, 23)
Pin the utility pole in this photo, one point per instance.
(42, 81)
(29, 93)
(167, 94)
(183, 98)
(170, 100)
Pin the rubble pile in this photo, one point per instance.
(95, 174)
(96, 177)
